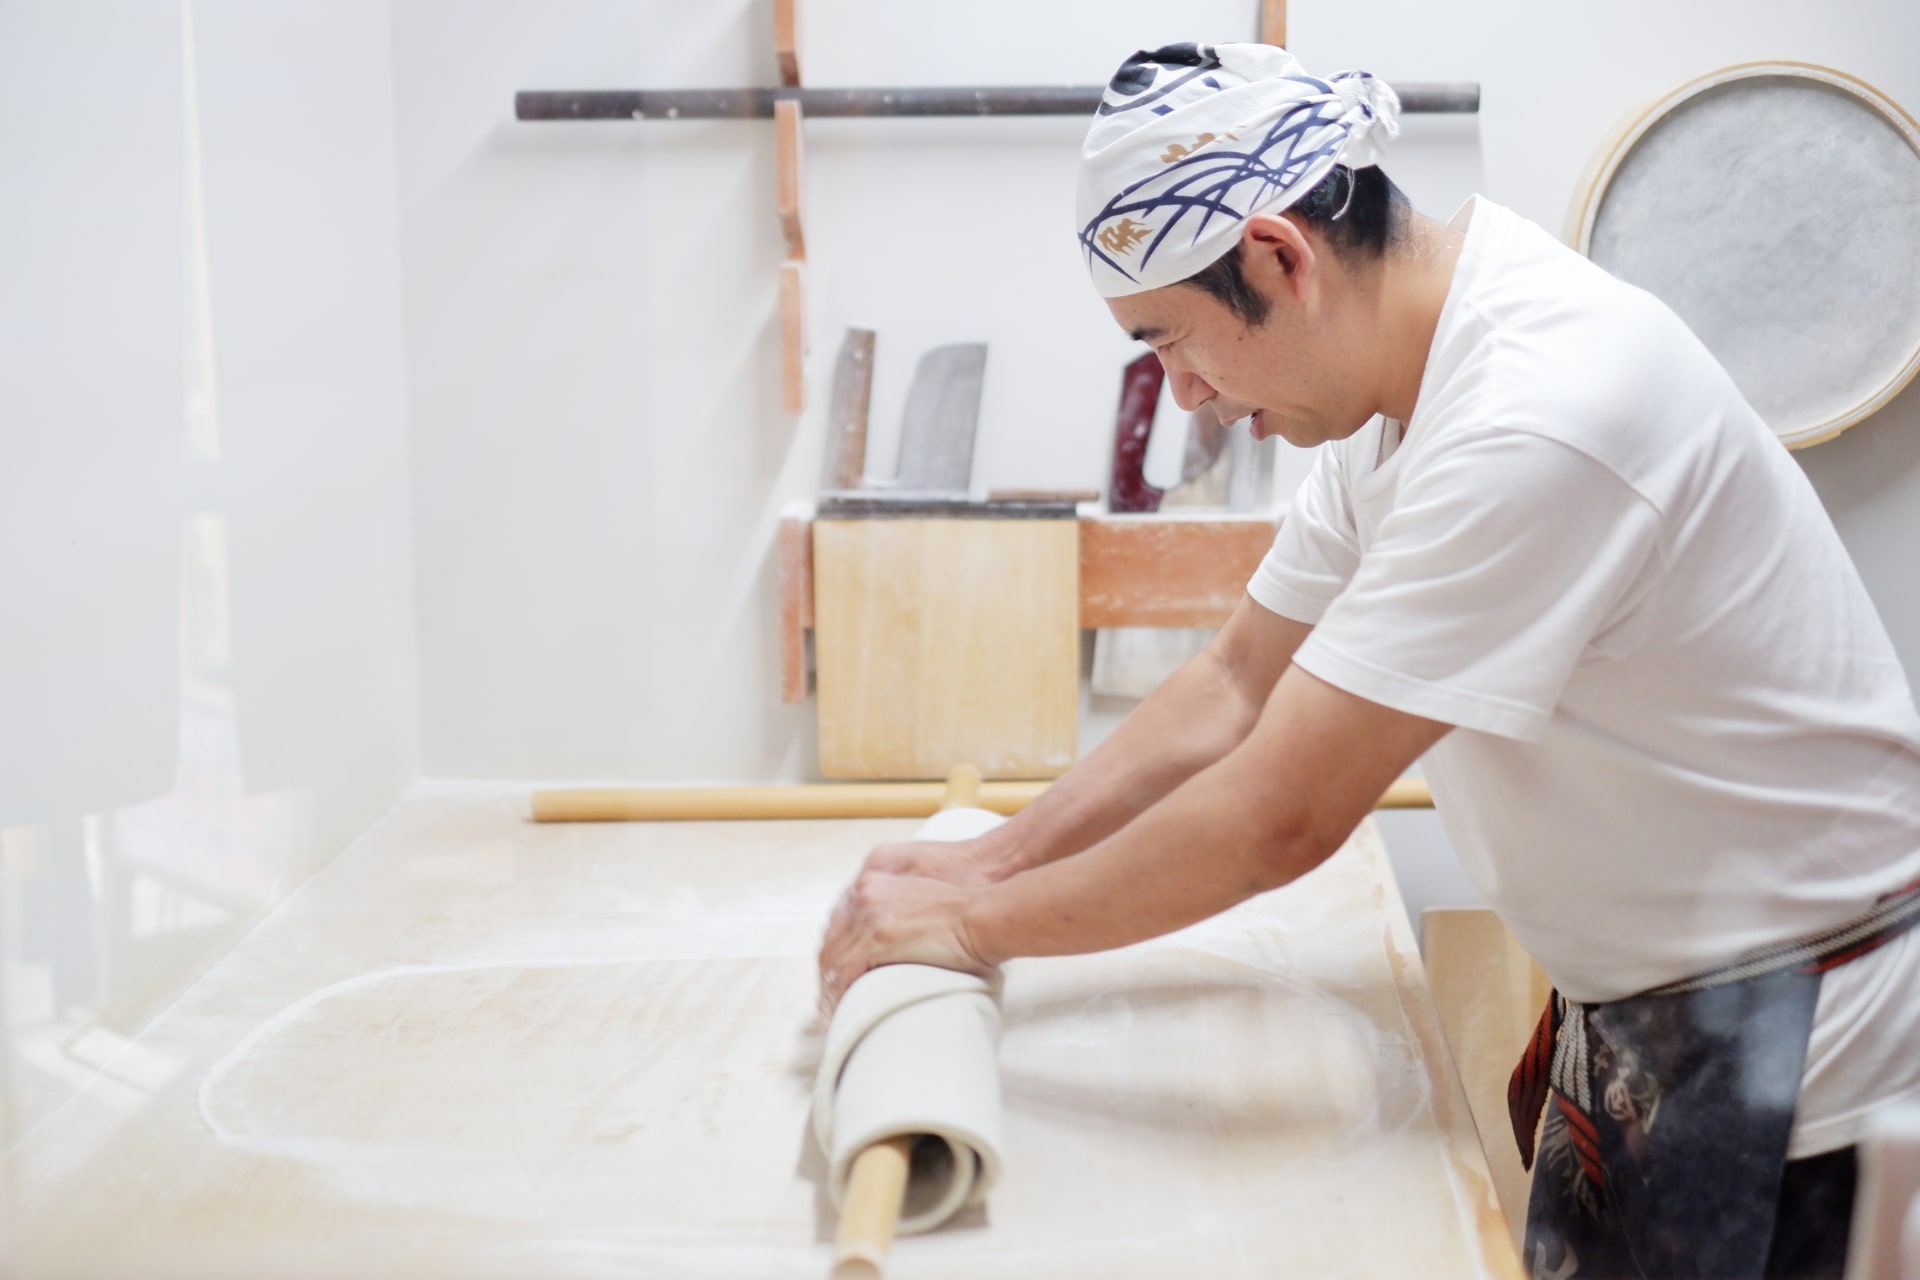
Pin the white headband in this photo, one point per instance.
(1192, 139)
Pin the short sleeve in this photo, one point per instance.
(1503, 558)
(1317, 549)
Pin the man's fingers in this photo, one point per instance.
(838, 966)
(834, 981)
(888, 857)
(840, 928)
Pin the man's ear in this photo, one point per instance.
(1275, 255)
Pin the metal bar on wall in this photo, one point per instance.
(989, 100)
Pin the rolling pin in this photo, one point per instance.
(823, 800)
(878, 1184)
(874, 1195)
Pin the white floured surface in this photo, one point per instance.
(473, 1046)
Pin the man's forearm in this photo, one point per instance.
(1268, 811)
(1198, 715)
(1205, 847)
(1273, 809)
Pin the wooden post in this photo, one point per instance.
(786, 40)
(1489, 993)
(787, 148)
(963, 788)
(793, 337)
(787, 119)
(796, 605)
(1273, 22)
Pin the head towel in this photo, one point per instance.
(1192, 139)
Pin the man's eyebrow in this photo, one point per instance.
(1149, 335)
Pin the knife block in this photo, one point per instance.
(947, 640)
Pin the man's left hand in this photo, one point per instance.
(895, 919)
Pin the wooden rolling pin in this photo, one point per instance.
(822, 800)
(877, 1183)
(876, 1188)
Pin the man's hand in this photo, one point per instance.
(964, 864)
(895, 919)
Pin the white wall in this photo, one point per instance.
(207, 658)
(92, 440)
(588, 315)
(591, 330)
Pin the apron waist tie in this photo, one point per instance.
(1555, 1059)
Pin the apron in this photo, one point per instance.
(1668, 1113)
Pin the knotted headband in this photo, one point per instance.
(1191, 139)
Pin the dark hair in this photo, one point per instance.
(1359, 211)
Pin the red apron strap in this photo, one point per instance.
(1527, 1087)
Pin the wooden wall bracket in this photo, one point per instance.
(789, 189)
(786, 40)
(796, 605)
(793, 336)
(1273, 22)
(787, 119)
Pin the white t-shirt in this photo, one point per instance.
(1682, 731)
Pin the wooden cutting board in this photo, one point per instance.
(947, 641)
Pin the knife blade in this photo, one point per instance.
(942, 416)
(846, 457)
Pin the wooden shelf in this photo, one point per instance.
(1135, 571)
(1167, 571)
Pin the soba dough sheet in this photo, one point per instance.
(911, 1051)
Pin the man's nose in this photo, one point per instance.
(1190, 391)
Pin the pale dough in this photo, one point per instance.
(911, 1051)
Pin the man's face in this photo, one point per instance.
(1287, 375)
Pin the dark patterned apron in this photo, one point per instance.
(1668, 1112)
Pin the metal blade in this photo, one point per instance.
(1206, 436)
(1127, 488)
(943, 412)
(847, 412)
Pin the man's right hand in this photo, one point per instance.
(967, 864)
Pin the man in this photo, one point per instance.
(1550, 547)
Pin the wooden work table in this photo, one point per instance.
(473, 1046)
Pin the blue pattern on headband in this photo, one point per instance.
(1129, 88)
(1222, 170)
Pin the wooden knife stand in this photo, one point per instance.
(946, 640)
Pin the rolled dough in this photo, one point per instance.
(910, 1052)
